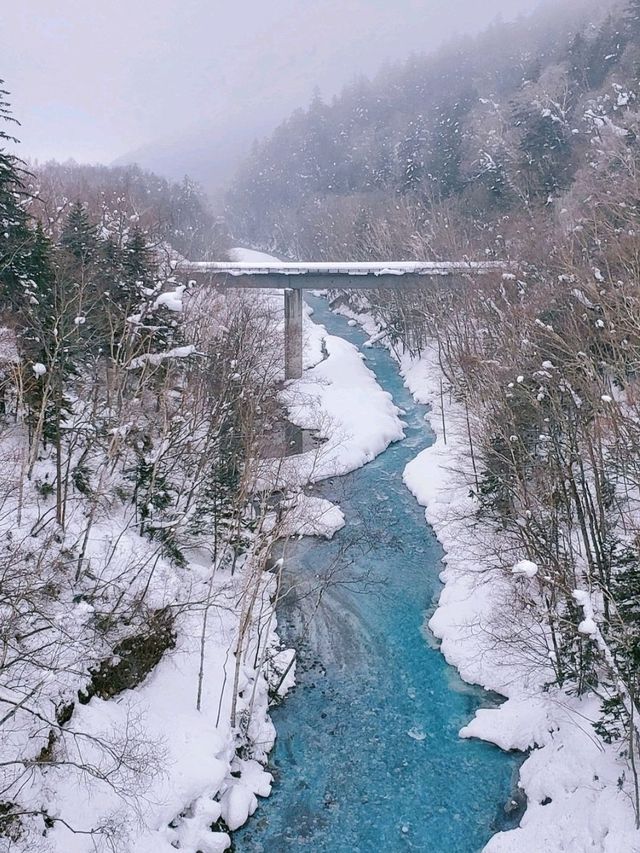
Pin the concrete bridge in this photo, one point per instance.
(293, 278)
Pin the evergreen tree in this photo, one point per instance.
(79, 234)
(546, 150)
(446, 141)
(577, 64)
(412, 155)
(622, 632)
(37, 317)
(139, 269)
(15, 237)
(592, 59)
(604, 51)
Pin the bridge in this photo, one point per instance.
(295, 277)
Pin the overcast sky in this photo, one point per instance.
(95, 80)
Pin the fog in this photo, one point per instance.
(185, 85)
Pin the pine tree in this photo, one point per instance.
(604, 51)
(139, 269)
(622, 633)
(577, 64)
(15, 236)
(88, 271)
(546, 150)
(37, 315)
(412, 155)
(79, 234)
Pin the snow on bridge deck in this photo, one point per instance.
(302, 275)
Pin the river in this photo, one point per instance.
(368, 758)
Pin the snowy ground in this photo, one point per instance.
(193, 786)
(147, 770)
(571, 778)
(340, 398)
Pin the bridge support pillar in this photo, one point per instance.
(292, 333)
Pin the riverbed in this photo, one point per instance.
(368, 758)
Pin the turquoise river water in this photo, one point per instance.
(368, 758)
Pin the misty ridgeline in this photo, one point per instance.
(144, 481)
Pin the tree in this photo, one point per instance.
(15, 238)
(79, 234)
(632, 20)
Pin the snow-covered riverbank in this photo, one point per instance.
(577, 786)
(571, 776)
(155, 767)
(194, 775)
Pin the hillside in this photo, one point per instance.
(481, 130)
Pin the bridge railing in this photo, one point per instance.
(345, 268)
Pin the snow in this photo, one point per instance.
(202, 778)
(171, 299)
(526, 568)
(374, 339)
(602, 121)
(341, 400)
(588, 626)
(312, 516)
(249, 256)
(569, 763)
(249, 262)
(187, 755)
(158, 357)
(238, 804)
(190, 772)
(338, 398)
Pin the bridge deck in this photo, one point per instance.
(326, 276)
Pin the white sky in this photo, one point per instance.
(94, 80)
